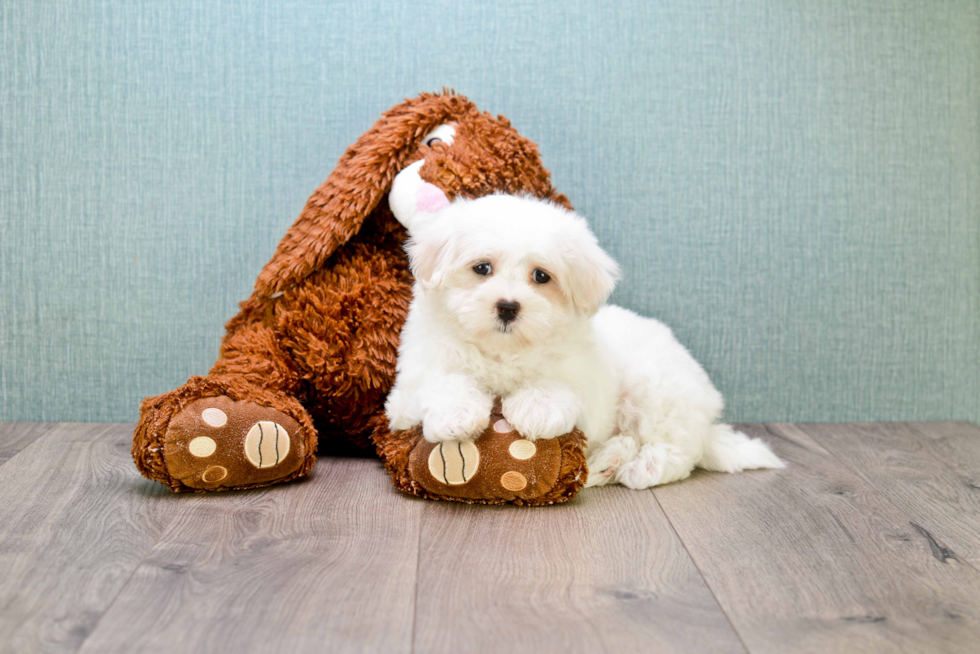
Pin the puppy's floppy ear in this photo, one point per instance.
(431, 251)
(592, 274)
(336, 210)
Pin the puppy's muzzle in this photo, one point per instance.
(507, 310)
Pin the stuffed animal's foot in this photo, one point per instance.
(215, 442)
(500, 466)
(218, 442)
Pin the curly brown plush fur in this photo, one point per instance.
(317, 340)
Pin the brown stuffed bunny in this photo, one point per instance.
(313, 350)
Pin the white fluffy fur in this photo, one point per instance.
(648, 409)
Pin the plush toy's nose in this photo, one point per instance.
(411, 196)
(507, 310)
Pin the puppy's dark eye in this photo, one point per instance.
(433, 141)
(540, 277)
(482, 269)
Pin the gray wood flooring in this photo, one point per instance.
(868, 542)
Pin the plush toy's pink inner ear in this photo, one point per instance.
(430, 199)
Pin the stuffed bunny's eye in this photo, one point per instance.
(442, 134)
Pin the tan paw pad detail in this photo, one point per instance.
(202, 446)
(213, 417)
(266, 444)
(502, 426)
(454, 462)
(513, 481)
(522, 449)
(214, 474)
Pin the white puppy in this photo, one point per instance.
(508, 301)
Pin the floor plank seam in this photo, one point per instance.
(16, 454)
(697, 567)
(418, 561)
(911, 519)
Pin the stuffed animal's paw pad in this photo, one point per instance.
(454, 462)
(215, 442)
(522, 449)
(214, 417)
(202, 447)
(266, 444)
(513, 481)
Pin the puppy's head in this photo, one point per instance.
(510, 272)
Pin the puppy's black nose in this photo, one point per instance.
(507, 310)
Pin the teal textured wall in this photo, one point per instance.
(793, 186)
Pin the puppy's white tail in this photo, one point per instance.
(727, 450)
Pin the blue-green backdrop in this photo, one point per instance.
(793, 186)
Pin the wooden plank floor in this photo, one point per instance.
(869, 541)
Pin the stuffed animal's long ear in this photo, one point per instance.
(336, 210)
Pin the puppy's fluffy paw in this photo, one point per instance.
(654, 465)
(398, 410)
(605, 462)
(541, 412)
(464, 419)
